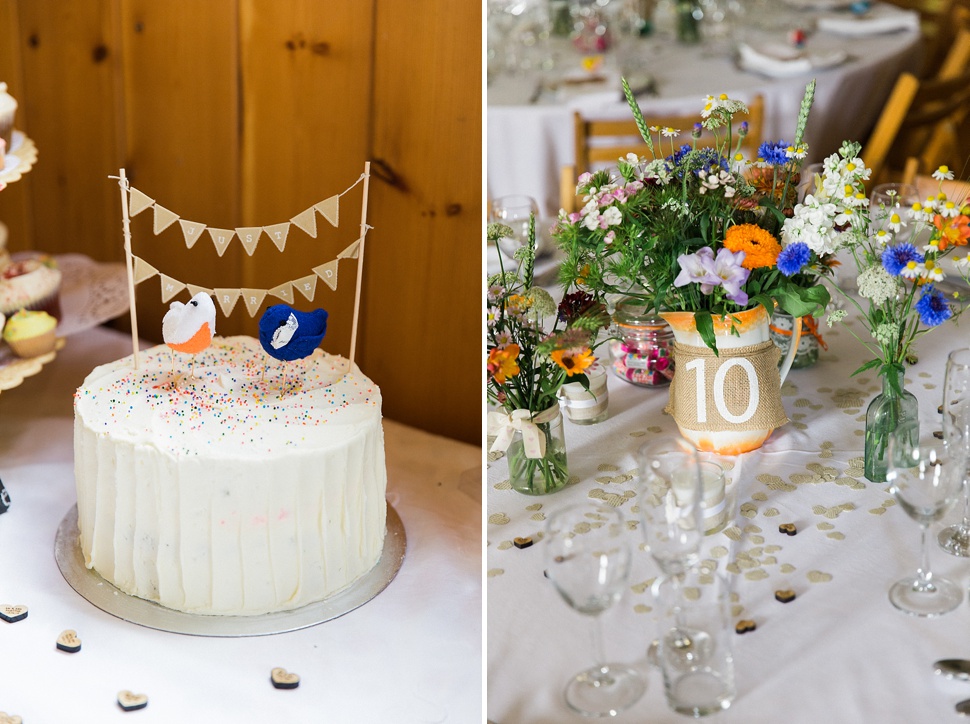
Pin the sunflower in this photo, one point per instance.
(759, 246)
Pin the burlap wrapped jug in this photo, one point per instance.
(728, 403)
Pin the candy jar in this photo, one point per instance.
(641, 348)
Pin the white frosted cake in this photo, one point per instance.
(234, 492)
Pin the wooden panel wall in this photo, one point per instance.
(246, 112)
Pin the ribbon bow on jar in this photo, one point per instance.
(504, 426)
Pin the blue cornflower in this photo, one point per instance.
(932, 307)
(774, 152)
(895, 258)
(793, 258)
(679, 154)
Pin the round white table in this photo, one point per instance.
(530, 133)
(838, 653)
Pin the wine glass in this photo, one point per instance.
(956, 432)
(515, 212)
(670, 503)
(925, 483)
(889, 205)
(588, 561)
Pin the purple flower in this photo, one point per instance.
(793, 258)
(697, 268)
(727, 267)
(932, 307)
(895, 258)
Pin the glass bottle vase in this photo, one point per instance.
(894, 410)
(539, 476)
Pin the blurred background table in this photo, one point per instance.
(839, 652)
(530, 108)
(412, 654)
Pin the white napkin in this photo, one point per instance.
(782, 61)
(879, 20)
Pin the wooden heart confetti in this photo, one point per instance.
(744, 626)
(282, 679)
(11, 613)
(523, 542)
(785, 596)
(68, 641)
(131, 702)
(6, 718)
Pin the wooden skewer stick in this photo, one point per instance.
(126, 227)
(360, 265)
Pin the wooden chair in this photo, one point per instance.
(922, 120)
(599, 143)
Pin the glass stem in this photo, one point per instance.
(966, 504)
(924, 576)
(599, 658)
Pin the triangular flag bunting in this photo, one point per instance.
(227, 299)
(221, 238)
(330, 209)
(249, 235)
(253, 298)
(307, 221)
(163, 219)
(327, 272)
(143, 270)
(194, 289)
(307, 286)
(278, 232)
(137, 201)
(191, 230)
(284, 291)
(351, 252)
(170, 287)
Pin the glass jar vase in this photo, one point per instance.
(539, 473)
(641, 350)
(893, 411)
(587, 407)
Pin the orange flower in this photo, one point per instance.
(574, 361)
(760, 247)
(502, 362)
(955, 232)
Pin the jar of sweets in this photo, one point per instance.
(641, 350)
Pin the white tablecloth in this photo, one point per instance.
(839, 653)
(529, 143)
(412, 654)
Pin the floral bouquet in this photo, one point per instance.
(898, 282)
(528, 365)
(696, 229)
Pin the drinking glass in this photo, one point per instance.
(956, 432)
(694, 652)
(890, 204)
(925, 483)
(515, 212)
(588, 560)
(670, 502)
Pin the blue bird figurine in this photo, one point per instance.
(288, 334)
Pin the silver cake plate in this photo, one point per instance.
(97, 591)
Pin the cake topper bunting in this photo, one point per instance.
(139, 270)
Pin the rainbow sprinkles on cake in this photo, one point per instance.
(232, 476)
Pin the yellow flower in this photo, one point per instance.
(760, 247)
(574, 361)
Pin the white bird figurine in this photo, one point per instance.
(189, 327)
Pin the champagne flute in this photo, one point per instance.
(956, 432)
(588, 561)
(515, 212)
(889, 204)
(925, 483)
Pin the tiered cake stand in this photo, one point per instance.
(19, 159)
